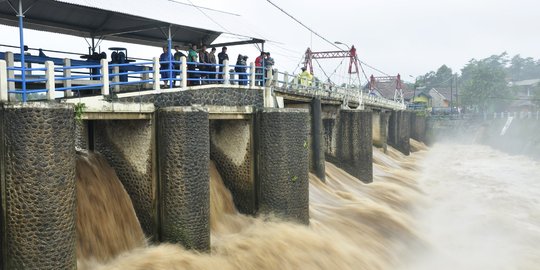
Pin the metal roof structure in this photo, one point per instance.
(136, 21)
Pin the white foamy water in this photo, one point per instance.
(482, 210)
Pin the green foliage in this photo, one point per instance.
(79, 111)
(441, 78)
(483, 84)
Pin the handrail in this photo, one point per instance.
(106, 77)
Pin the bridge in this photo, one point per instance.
(64, 79)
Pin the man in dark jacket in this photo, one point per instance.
(222, 56)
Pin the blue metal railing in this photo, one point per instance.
(89, 76)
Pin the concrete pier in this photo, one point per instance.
(354, 152)
(37, 168)
(399, 131)
(316, 142)
(183, 157)
(282, 163)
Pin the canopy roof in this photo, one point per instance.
(136, 21)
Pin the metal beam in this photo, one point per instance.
(128, 30)
(235, 43)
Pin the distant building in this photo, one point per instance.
(524, 91)
(386, 87)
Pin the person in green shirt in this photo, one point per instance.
(192, 58)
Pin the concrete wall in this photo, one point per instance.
(520, 137)
(128, 146)
(213, 96)
(184, 155)
(282, 163)
(81, 135)
(418, 127)
(330, 117)
(399, 130)
(354, 152)
(232, 149)
(37, 168)
(380, 128)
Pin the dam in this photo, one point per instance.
(153, 164)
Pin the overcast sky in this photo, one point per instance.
(410, 37)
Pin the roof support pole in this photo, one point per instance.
(21, 44)
(263, 65)
(169, 44)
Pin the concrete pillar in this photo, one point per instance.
(146, 77)
(399, 131)
(155, 67)
(105, 77)
(252, 75)
(282, 163)
(183, 156)
(67, 74)
(226, 73)
(317, 165)
(116, 79)
(50, 84)
(354, 152)
(37, 168)
(184, 68)
(3, 81)
(232, 150)
(10, 60)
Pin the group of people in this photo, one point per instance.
(201, 60)
(205, 63)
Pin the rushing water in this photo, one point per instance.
(482, 210)
(452, 207)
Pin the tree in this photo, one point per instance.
(483, 84)
(440, 78)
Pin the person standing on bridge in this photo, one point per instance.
(204, 59)
(305, 77)
(164, 67)
(212, 68)
(192, 60)
(222, 56)
(268, 64)
(259, 69)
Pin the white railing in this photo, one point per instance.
(518, 115)
(291, 83)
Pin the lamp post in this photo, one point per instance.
(341, 43)
(349, 49)
(414, 88)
